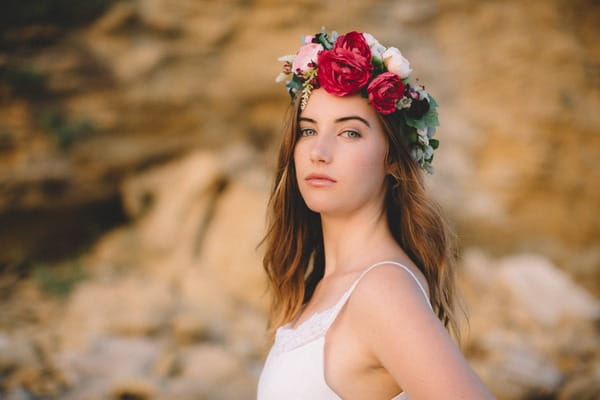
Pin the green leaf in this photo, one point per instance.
(378, 64)
(431, 117)
(434, 143)
(430, 131)
(415, 123)
(412, 137)
(432, 102)
(295, 83)
(322, 38)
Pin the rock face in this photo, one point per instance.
(164, 303)
(531, 328)
(525, 83)
(138, 146)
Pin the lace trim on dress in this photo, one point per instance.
(288, 338)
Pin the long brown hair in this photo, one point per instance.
(294, 258)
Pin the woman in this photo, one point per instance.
(358, 258)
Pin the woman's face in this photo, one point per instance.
(340, 154)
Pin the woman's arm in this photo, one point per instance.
(391, 316)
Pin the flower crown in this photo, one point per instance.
(357, 63)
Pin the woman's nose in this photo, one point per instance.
(321, 151)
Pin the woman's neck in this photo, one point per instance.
(351, 241)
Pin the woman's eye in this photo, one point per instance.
(307, 132)
(351, 134)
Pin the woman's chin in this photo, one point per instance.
(320, 207)
(326, 207)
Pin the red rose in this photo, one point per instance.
(384, 91)
(343, 72)
(354, 42)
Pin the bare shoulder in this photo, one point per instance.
(391, 289)
(391, 317)
(388, 305)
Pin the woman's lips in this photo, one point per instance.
(319, 180)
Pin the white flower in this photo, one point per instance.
(377, 48)
(404, 102)
(422, 137)
(428, 152)
(289, 58)
(396, 63)
(333, 37)
(282, 77)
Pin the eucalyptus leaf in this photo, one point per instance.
(415, 123)
(432, 101)
(419, 154)
(428, 152)
(294, 84)
(430, 131)
(431, 117)
(322, 38)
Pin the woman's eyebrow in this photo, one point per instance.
(342, 119)
(351, 117)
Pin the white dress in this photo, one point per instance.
(299, 353)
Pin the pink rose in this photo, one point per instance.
(385, 91)
(307, 55)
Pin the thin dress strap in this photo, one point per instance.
(317, 325)
(347, 294)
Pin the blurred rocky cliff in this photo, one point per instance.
(136, 143)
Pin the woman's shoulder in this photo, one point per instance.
(392, 289)
(388, 311)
